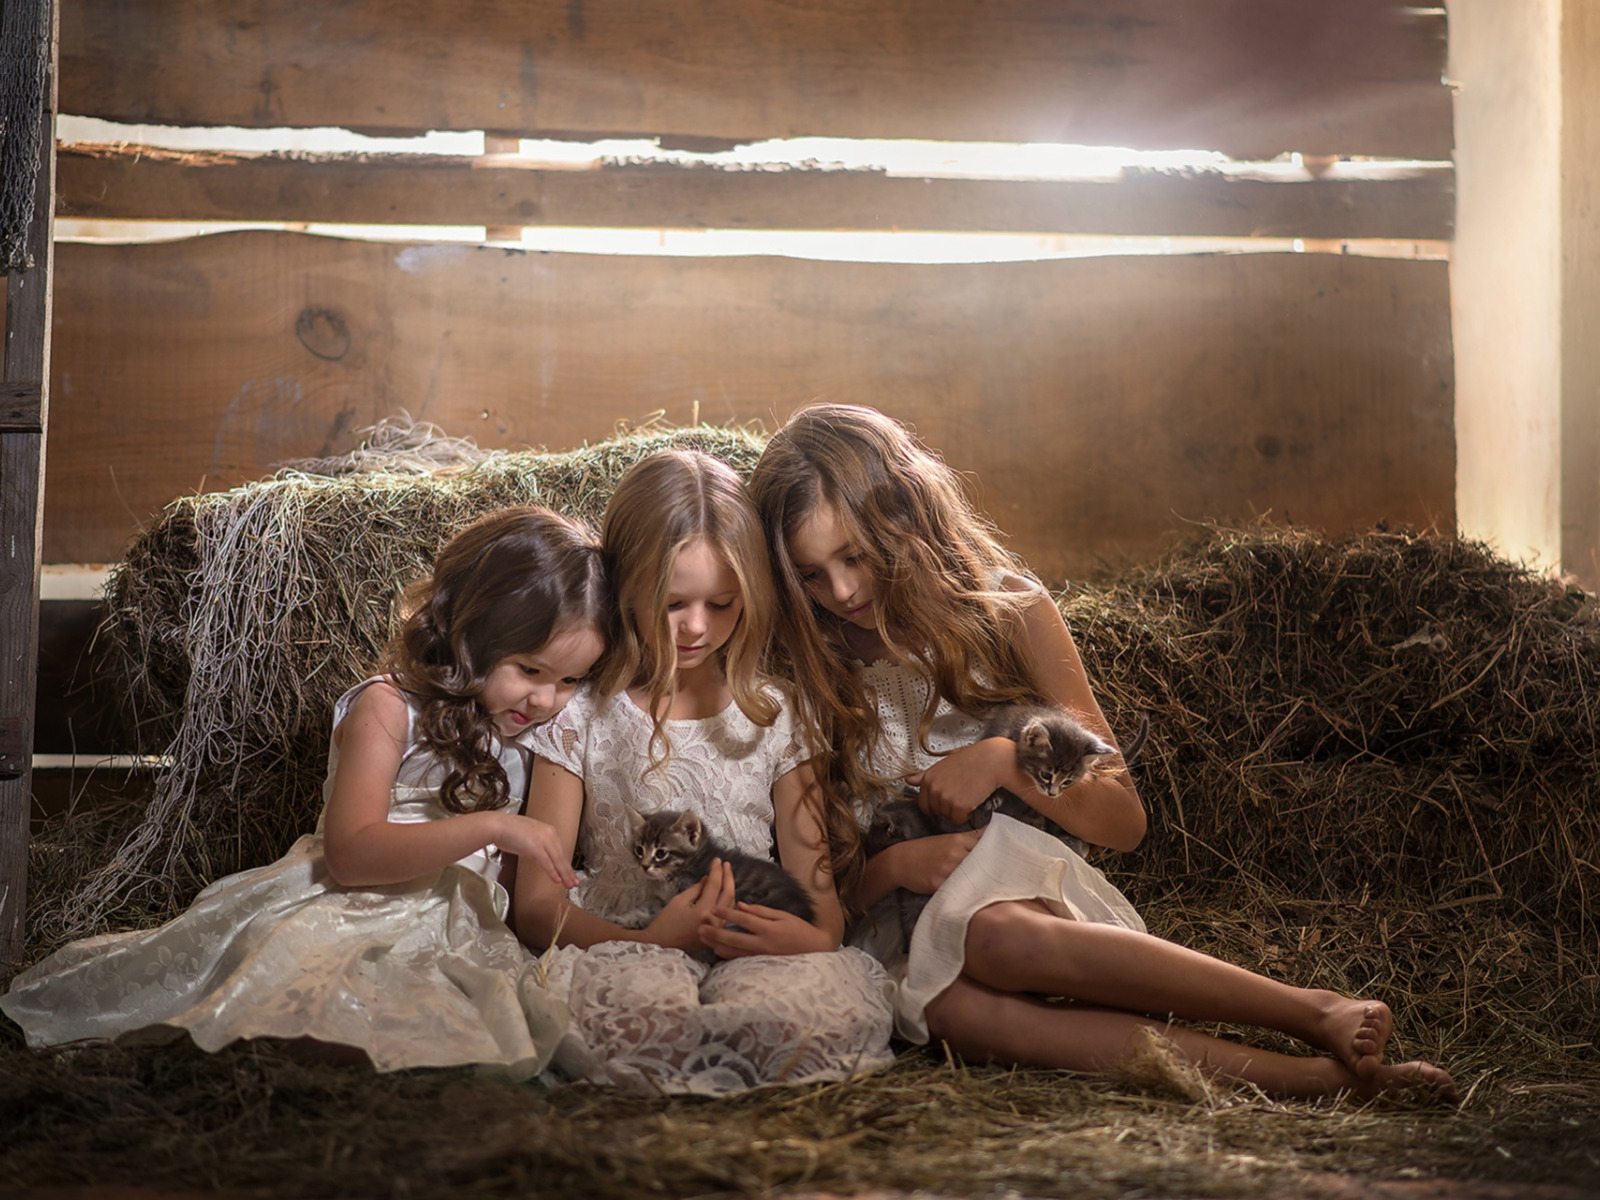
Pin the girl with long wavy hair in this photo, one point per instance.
(682, 717)
(903, 622)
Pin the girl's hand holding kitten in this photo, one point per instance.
(923, 864)
(680, 921)
(965, 778)
(762, 930)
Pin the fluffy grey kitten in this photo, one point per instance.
(675, 850)
(1054, 750)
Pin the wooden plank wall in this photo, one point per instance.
(1249, 78)
(1412, 201)
(24, 419)
(1100, 402)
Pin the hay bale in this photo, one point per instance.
(1398, 715)
(238, 618)
(1372, 768)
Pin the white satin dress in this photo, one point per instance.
(419, 974)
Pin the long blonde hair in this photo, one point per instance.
(663, 504)
(937, 568)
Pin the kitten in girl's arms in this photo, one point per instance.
(1054, 749)
(675, 850)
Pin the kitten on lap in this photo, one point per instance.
(675, 850)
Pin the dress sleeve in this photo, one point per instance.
(791, 745)
(564, 738)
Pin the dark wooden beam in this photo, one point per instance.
(1249, 77)
(21, 408)
(27, 361)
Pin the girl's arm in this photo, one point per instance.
(919, 865)
(1104, 810)
(803, 850)
(543, 914)
(363, 848)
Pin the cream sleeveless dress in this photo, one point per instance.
(417, 974)
(1012, 860)
(654, 1019)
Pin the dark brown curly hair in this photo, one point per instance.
(504, 585)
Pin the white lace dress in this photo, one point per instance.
(419, 974)
(1012, 860)
(654, 1019)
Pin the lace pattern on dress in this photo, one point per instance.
(654, 1019)
(721, 768)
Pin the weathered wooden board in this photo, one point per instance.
(112, 182)
(1101, 402)
(1245, 76)
(21, 408)
(26, 407)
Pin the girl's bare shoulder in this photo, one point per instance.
(379, 706)
(1014, 581)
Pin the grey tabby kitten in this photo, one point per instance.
(675, 850)
(1054, 750)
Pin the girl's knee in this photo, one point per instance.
(1000, 936)
(954, 1013)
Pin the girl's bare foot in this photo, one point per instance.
(1420, 1081)
(1356, 1032)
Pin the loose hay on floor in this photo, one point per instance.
(254, 1118)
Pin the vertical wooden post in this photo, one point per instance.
(24, 411)
(1580, 292)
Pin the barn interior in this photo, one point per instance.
(1268, 334)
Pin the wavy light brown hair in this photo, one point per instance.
(663, 504)
(937, 568)
(504, 585)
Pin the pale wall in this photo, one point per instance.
(1525, 286)
(1506, 273)
(1580, 299)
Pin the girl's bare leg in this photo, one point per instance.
(1021, 946)
(983, 1025)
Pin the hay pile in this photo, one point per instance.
(250, 1121)
(238, 618)
(1374, 765)
(1396, 715)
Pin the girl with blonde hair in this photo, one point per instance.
(681, 717)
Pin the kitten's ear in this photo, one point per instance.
(690, 827)
(1034, 737)
(632, 820)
